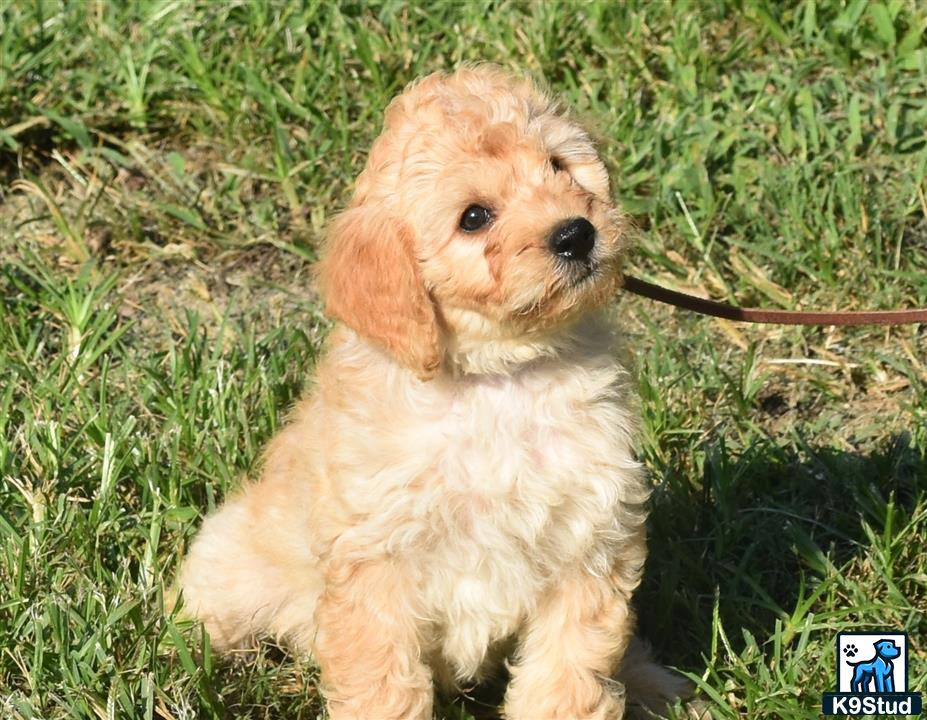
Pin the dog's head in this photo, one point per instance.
(483, 218)
(887, 649)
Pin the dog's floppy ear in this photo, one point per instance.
(372, 283)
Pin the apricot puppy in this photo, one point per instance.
(459, 485)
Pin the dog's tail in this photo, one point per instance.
(651, 688)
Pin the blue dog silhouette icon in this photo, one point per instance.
(878, 670)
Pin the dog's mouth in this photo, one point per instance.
(573, 274)
(575, 284)
(583, 274)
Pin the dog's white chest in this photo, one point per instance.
(529, 477)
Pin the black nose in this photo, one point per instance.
(573, 239)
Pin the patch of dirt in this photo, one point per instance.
(229, 262)
(262, 283)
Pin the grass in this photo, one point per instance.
(166, 169)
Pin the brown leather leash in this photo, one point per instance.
(777, 317)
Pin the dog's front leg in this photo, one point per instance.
(568, 651)
(368, 645)
(884, 679)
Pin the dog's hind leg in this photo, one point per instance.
(650, 687)
(246, 574)
(861, 677)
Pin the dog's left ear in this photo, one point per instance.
(371, 282)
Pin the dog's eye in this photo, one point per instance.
(556, 164)
(475, 217)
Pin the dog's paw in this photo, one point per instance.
(850, 650)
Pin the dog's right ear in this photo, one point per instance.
(371, 282)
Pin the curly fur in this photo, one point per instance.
(458, 487)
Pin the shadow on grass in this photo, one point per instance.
(759, 530)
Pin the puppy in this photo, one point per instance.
(459, 486)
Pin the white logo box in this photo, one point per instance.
(865, 651)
